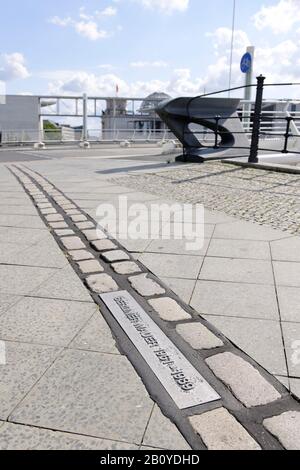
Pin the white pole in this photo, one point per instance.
(85, 114)
(232, 44)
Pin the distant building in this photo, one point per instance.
(120, 122)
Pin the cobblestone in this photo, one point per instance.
(169, 310)
(264, 197)
(146, 286)
(103, 245)
(286, 428)
(198, 336)
(127, 267)
(80, 255)
(102, 283)
(115, 255)
(90, 267)
(246, 383)
(219, 430)
(73, 243)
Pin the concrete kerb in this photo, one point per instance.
(251, 419)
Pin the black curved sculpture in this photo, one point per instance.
(219, 115)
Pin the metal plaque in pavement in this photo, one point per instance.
(182, 381)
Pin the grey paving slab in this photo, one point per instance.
(7, 300)
(182, 266)
(291, 335)
(21, 221)
(95, 336)
(245, 382)
(260, 339)
(21, 236)
(221, 431)
(202, 231)
(64, 284)
(239, 249)
(287, 273)
(74, 385)
(286, 250)
(289, 303)
(18, 210)
(235, 300)
(237, 270)
(134, 246)
(286, 428)
(176, 247)
(182, 287)
(162, 433)
(241, 230)
(19, 437)
(23, 280)
(25, 364)
(45, 321)
(44, 254)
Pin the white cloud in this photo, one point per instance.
(90, 30)
(280, 18)
(87, 25)
(165, 6)
(145, 64)
(13, 67)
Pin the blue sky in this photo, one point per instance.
(177, 46)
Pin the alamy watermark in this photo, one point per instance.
(2, 353)
(152, 221)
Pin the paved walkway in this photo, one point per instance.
(244, 280)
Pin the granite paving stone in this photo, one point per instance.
(126, 268)
(115, 255)
(146, 286)
(169, 310)
(80, 255)
(103, 245)
(102, 283)
(198, 336)
(247, 384)
(94, 235)
(90, 266)
(73, 243)
(221, 431)
(286, 427)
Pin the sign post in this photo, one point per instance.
(247, 68)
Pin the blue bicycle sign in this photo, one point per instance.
(246, 63)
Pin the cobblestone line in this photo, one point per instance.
(261, 196)
(255, 410)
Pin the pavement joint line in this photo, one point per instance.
(249, 419)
